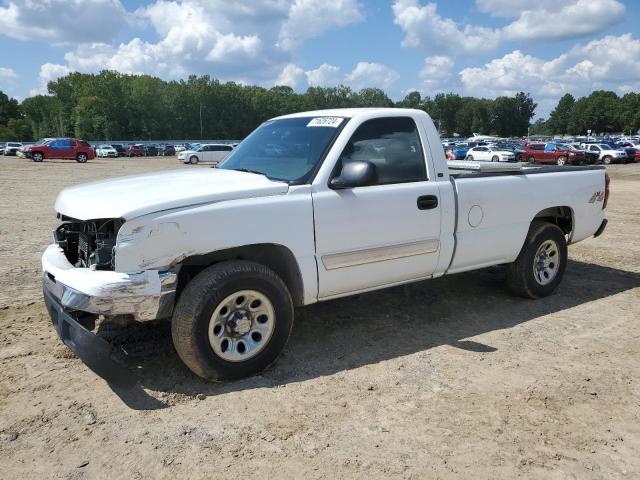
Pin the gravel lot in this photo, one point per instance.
(450, 378)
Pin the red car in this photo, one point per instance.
(65, 148)
(135, 151)
(555, 153)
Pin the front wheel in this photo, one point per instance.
(495, 158)
(531, 159)
(607, 160)
(540, 266)
(469, 158)
(561, 160)
(37, 157)
(232, 320)
(193, 160)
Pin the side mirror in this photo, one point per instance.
(355, 174)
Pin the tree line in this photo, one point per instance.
(114, 106)
(601, 112)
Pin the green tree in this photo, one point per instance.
(559, 118)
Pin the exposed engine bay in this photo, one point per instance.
(89, 244)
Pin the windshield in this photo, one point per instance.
(288, 149)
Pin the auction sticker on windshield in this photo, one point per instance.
(333, 122)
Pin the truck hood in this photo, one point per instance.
(132, 196)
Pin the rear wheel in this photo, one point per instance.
(81, 158)
(607, 160)
(540, 266)
(232, 320)
(561, 160)
(531, 159)
(469, 158)
(193, 160)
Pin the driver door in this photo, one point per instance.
(381, 234)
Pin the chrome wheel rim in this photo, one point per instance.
(241, 325)
(546, 262)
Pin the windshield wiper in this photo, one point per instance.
(248, 170)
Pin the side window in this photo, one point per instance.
(56, 144)
(549, 147)
(392, 145)
(227, 148)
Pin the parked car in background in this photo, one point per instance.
(179, 148)
(11, 148)
(633, 154)
(460, 151)
(490, 154)
(121, 149)
(554, 153)
(212, 152)
(167, 150)
(150, 150)
(61, 148)
(516, 148)
(134, 151)
(606, 153)
(105, 151)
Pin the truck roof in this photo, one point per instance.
(352, 112)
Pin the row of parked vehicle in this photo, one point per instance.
(556, 151)
(81, 151)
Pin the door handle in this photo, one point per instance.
(427, 202)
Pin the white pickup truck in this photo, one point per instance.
(309, 207)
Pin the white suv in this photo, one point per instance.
(210, 152)
(11, 148)
(606, 153)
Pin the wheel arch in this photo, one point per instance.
(274, 256)
(562, 216)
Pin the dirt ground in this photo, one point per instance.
(450, 378)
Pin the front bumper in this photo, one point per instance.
(145, 296)
(95, 352)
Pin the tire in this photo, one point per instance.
(495, 158)
(193, 160)
(531, 159)
(37, 157)
(562, 160)
(523, 278)
(607, 160)
(469, 158)
(200, 342)
(81, 158)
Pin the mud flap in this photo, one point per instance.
(95, 352)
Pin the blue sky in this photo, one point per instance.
(483, 48)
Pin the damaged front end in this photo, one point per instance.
(80, 284)
(88, 244)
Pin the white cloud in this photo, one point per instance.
(7, 73)
(436, 73)
(239, 41)
(611, 63)
(324, 76)
(364, 75)
(547, 20)
(375, 75)
(424, 27)
(62, 21)
(48, 73)
(292, 76)
(587, 17)
(310, 18)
